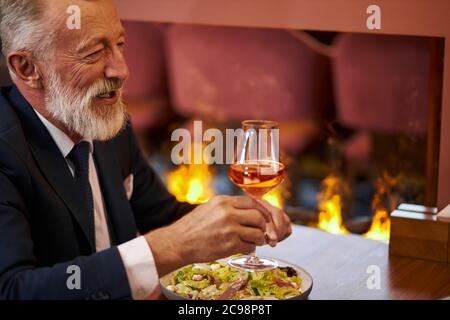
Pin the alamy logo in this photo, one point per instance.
(374, 280)
(74, 19)
(374, 20)
(209, 146)
(74, 280)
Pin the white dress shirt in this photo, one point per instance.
(136, 254)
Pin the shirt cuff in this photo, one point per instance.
(140, 267)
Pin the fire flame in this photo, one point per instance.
(191, 183)
(275, 196)
(330, 205)
(381, 223)
(380, 228)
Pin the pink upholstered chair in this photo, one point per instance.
(231, 74)
(146, 91)
(381, 86)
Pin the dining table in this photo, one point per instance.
(350, 266)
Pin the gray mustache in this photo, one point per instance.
(107, 86)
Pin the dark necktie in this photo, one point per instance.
(79, 156)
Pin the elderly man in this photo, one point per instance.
(74, 189)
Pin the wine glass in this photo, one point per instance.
(256, 169)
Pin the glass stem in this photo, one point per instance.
(252, 258)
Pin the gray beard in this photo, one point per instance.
(79, 113)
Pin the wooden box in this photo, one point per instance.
(416, 232)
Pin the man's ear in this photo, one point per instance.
(21, 64)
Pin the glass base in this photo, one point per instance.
(252, 263)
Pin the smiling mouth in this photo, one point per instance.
(107, 95)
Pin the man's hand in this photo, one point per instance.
(280, 226)
(223, 226)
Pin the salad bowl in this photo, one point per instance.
(174, 288)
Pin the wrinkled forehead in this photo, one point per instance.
(76, 22)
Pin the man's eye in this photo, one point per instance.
(95, 54)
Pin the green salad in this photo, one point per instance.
(217, 281)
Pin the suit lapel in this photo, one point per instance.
(52, 164)
(111, 183)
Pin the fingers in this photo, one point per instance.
(272, 239)
(246, 202)
(252, 235)
(246, 247)
(289, 223)
(252, 218)
(281, 225)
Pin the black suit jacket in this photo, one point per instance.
(43, 228)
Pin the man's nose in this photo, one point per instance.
(117, 66)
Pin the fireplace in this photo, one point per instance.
(376, 159)
(363, 151)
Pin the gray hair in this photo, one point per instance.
(22, 28)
